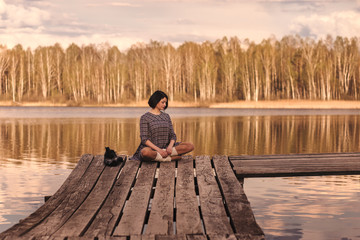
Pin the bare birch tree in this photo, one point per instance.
(4, 64)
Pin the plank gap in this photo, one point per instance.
(174, 221)
(133, 184)
(153, 189)
(196, 186)
(174, 200)
(146, 220)
(198, 199)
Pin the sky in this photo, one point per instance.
(122, 23)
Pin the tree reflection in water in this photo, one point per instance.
(65, 140)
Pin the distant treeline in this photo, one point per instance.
(224, 70)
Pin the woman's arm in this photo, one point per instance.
(172, 137)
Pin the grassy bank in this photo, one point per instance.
(291, 104)
(274, 104)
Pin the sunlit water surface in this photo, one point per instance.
(39, 146)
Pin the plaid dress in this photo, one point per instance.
(156, 128)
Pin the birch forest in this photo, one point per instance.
(224, 70)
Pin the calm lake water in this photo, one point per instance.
(39, 146)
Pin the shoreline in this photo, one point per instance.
(270, 104)
(291, 104)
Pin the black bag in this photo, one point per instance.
(110, 157)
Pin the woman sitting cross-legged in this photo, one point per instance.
(158, 139)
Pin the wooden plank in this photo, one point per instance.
(285, 166)
(188, 219)
(234, 237)
(45, 210)
(162, 207)
(106, 238)
(292, 156)
(142, 237)
(72, 201)
(37, 238)
(247, 237)
(77, 238)
(171, 237)
(105, 221)
(133, 217)
(241, 214)
(49, 238)
(294, 167)
(212, 208)
(94, 238)
(196, 237)
(228, 182)
(83, 216)
(251, 172)
(297, 162)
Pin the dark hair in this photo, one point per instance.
(156, 97)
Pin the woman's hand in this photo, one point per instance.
(169, 150)
(170, 146)
(163, 153)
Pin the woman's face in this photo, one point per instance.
(162, 104)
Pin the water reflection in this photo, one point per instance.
(63, 141)
(322, 207)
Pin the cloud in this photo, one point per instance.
(114, 4)
(36, 23)
(342, 23)
(124, 22)
(183, 21)
(181, 38)
(36, 39)
(18, 16)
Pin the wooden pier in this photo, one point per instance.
(196, 199)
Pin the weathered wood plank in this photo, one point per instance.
(162, 207)
(196, 237)
(247, 237)
(228, 182)
(95, 238)
(83, 216)
(243, 172)
(294, 167)
(235, 237)
(142, 237)
(106, 238)
(299, 161)
(49, 238)
(292, 156)
(105, 221)
(188, 219)
(171, 237)
(134, 213)
(72, 201)
(238, 205)
(45, 210)
(212, 208)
